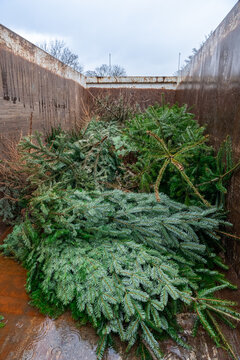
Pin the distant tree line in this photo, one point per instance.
(61, 51)
(107, 70)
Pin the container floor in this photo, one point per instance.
(28, 335)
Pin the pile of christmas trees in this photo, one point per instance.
(126, 261)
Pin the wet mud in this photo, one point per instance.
(28, 335)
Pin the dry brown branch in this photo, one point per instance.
(110, 107)
(13, 175)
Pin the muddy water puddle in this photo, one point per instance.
(28, 335)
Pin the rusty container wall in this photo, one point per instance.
(141, 90)
(211, 85)
(132, 96)
(35, 85)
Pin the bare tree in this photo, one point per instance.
(117, 70)
(59, 50)
(106, 70)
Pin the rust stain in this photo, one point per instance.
(143, 97)
(210, 86)
(30, 91)
(28, 335)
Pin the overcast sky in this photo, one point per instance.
(143, 36)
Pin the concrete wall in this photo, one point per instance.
(141, 90)
(133, 82)
(211, 85)
(35, 85)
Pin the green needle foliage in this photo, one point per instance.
(121, 261)
(173, 159)
(208, 309)
(204, 173)
(100, 156)
(2, 324)
(221, 173)
(85, 160)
